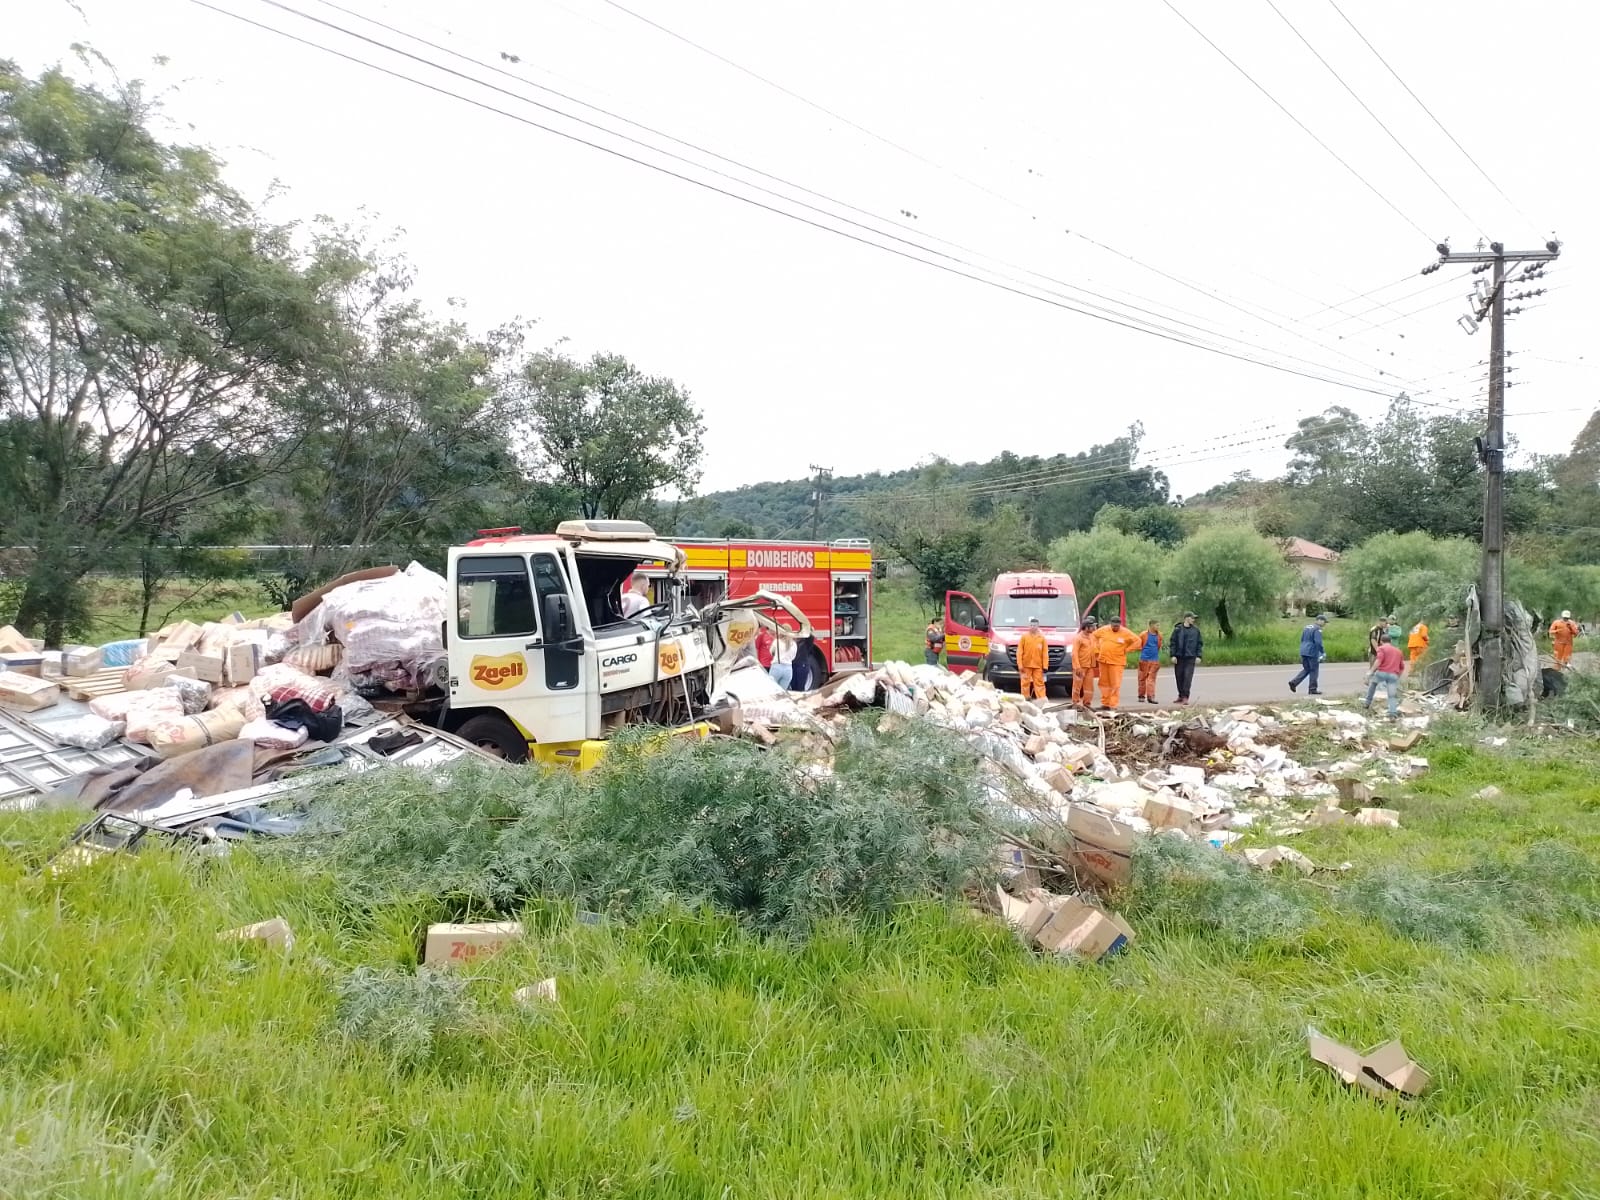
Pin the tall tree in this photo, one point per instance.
(607, 431)
(1231, 571)
(1106, 559)
(156, 338)
(409, 450)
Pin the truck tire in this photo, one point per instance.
(496, 735)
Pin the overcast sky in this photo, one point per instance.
(1064, 139)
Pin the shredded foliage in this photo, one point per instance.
(1180, 883)
(666, 823)
(403, 1014)
(1487, 901)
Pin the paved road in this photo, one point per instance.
(1245, 685)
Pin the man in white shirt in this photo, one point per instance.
(634, 600)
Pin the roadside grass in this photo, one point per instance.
(926, 1054)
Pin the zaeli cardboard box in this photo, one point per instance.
(30, 662)
(1101, 847)
(450, 945)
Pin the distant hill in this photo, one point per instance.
(1061, 492)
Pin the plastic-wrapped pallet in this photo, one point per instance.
(383, 622)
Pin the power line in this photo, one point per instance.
(1131, 323)
(1203, 332)
(1364, 107)
(1303, 126)
(1209, 293)
(1429, 111)
(1165, 316)
(809, 103)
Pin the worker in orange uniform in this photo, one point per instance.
(1085, 665)
(1149, 662)
(1113, 643)
(1033, 656)
(1417, 642)
(1563, 632)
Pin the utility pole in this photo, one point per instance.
(823, 473)
(1492, 452)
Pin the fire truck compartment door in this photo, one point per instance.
(966, 632)
(1121, 606)
(511, 651)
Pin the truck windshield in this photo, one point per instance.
(1054, 612)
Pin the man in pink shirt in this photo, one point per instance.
(1387, 668)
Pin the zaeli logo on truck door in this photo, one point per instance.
(497, 674)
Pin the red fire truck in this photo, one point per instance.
(830, 582)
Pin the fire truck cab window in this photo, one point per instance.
(494, 597)
(1054, 612)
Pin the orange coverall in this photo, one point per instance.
(1113, 647)
(1562, 634)
(1033, 656)
(1085, 668)
(1417, 642)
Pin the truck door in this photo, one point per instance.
(966, 632)
(513, 650)
(1121, 608)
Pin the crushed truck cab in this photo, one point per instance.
(539, 650)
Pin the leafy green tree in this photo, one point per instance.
(1232, 571)
(1105, 559)
(1406, 573)
(607, 431)
(158, 341)
(408, 452)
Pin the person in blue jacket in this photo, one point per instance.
(1311, 656)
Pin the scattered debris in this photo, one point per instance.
(1066, 925)
(1386, 1070)
(456, 945)
(275, 932)
(1385, 818)
(542, 992)
(1272, 856)
(1488, 793)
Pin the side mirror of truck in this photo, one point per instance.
(980, 623)
(558, 627)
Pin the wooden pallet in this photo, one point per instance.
(105, 682)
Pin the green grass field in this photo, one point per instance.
(930, 1056)
(116, 602)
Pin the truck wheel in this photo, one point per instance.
(496, 735)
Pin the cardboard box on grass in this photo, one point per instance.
(535, 993)
(275, 932)
(1386, 1070)
(450, 945)
(1082, 929)
(1168, 810)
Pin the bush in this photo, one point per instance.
(402, 1013)
(1411, 573)
(663, 823)
(1183, 884)
(1232, 572)
(1106, 559)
